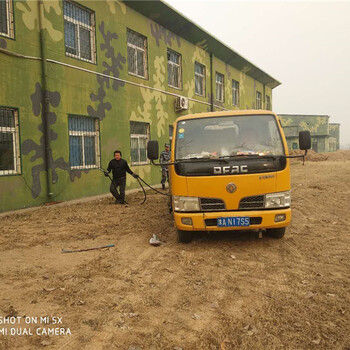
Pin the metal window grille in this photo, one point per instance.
(6, 18)
(219, 78)
(79, 32)
(258, 100)
(84, 143)
(139, 136)
(268, 103)
(199, 79)
(174, 69)
(137, 54)
(235, 93)
(9, 142)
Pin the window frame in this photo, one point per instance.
(10, 20)
(200, 76)
(138, 137)
(268, 103)
(235, 93)
(179, 69)
(137, 48)
(221, 85)
(95, 134)
(77, 25)
(258, 100)
(15, 143)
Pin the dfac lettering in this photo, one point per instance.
(234, 169)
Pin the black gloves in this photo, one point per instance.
(106, 173)
(135, 176)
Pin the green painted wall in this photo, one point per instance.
(115, 103)
(334, 139)
(324, 136)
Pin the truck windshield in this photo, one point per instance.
(228, 136)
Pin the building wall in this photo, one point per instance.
(318, 125)
(75, 87)
(334, 139)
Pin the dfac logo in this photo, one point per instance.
(231, 187)
(234, 169)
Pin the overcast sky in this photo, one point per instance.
(303, 44)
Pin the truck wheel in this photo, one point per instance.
(276, 232)
(184, 236)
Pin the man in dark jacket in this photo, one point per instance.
(119, 168)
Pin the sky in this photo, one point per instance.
(303, 44)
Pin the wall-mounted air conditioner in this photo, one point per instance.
(181, 103)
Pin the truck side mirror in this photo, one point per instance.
(152, 150)
(304, 140)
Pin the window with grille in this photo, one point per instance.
(139, 136)
(199, 79)
(219, 79)
(268, 103)
(174, 69)
(9, 142)
(79, 32)
(84, 142)
(6, 18)
(137, 54)
(235, 93)
(258, 100)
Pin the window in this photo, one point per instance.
(139, 136)
(258, 100)
(171, 131)
(6, 18)
(268, 103)
(174, 69)
(79, 32)
(9, 142)
(137, 54)
(235, 93)
(84, 137)
(219, 78)
(199, 79)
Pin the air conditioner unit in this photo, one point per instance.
(181, 103)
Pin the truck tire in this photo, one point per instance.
(276, 232)
(184, 236)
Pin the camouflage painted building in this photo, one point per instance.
(79, 79)
(324, 135)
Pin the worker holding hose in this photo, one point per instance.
(119, 168)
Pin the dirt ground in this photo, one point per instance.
(223, 291)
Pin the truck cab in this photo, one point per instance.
(230, 171)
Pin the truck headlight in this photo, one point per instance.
(185, 203)
(278, 200)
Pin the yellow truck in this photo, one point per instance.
(229, 171)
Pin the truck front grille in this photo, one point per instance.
(212, 204)
(252, 202)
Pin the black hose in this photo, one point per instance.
(164, 194)
(144, 192)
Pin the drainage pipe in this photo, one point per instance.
(45, 102)
(211, 83)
